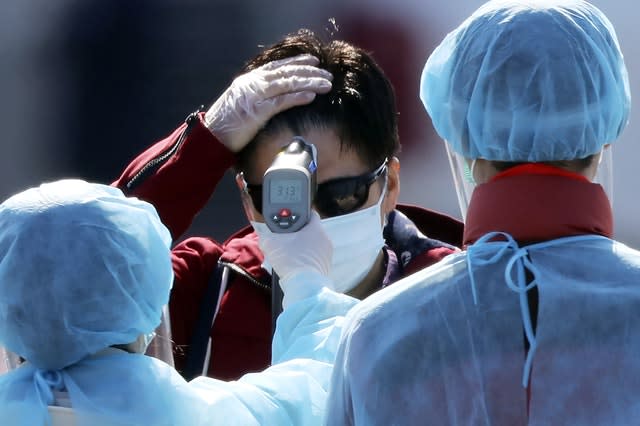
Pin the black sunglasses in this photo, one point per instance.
(334, 197)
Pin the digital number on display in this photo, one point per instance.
(285, 191)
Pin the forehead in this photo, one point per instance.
(332, 161)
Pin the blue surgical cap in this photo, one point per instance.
(528, 81)
(82, 268)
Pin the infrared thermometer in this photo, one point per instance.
(289, 187)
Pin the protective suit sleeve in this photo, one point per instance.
(338, 405)
(294, 390)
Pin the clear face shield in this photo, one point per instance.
(462, 171)
(160, 346)
(8, 360)
(462, 179)
(604, 175)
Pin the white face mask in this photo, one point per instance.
(357, 240)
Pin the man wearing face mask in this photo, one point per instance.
(334, 96)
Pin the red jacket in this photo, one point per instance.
(178, 175)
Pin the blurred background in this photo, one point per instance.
(86, 85)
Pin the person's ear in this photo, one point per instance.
(393, 186)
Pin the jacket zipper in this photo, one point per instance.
(248, 276)
(155, 163)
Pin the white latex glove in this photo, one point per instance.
(253, 98)
(301, 259)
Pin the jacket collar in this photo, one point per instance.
(537, 203)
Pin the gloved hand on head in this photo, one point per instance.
(301, 259)
(253, 98)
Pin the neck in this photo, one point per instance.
(371, 282)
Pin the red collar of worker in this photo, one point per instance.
(536, 202)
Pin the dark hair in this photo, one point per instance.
(360, 107)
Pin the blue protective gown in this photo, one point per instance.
(456, 343)
(130, 389)
(294, 390)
